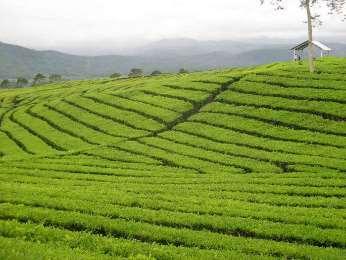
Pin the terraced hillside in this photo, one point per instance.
(234, 164)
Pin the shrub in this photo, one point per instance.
(135, 73)
(156, 73)
(115, 75)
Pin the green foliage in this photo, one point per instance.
(38, 79)
(55, 77)
(183, 71)
(5, 83)
(21, 82)
(115, 75)
(135, 72)
(234, 164)
(156, 73)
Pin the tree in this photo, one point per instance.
(5, 83)
(55, 77)
(156, 73)
(115, 75)
(21, 82)
(313, 19)
(38, 78)
(183, 71)
(136, 73)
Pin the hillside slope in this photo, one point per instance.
(233, 164)
(16, 61)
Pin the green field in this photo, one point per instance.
(230, 164)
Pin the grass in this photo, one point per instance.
(233, 164)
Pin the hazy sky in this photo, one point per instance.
(70, 23)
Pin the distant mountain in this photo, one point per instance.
(17, 61)
(165, 55)
(189, 47)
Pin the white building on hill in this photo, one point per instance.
(299, 49)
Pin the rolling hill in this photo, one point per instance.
(167, 56)
(244, 163)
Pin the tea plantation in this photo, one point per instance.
(232, 164)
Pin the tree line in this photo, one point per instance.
(38, 79)
(136, 72)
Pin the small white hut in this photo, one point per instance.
(299, 49)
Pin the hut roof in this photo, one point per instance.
(305, 44)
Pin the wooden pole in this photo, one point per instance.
(310, 47)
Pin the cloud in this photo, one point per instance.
(45, 24)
